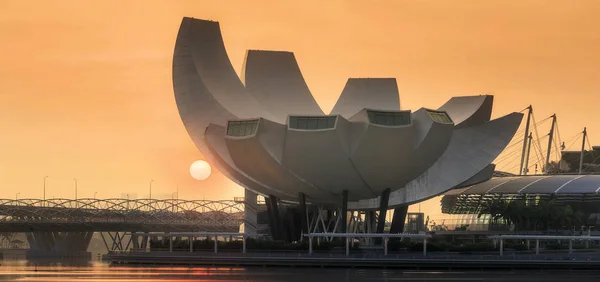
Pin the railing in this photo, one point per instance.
(170, 211)
(590, 255)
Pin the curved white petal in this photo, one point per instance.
(469, 152)
(321, 157)
(201, 44)
(468, 111)
(275, 80)
(259, 154)
(370, 93)
(382, 152)
(431, 140)
(215, 135)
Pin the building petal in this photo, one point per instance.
(468, 111)
(469, 152)
(200, 43)
(382, 152)
(215, 138)
(317, 150)
(370, 93)
(256, 147)
(275, 80)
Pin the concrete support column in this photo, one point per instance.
(425, 247)
(244, 245)
(347, 246)
(170, 243)
(135, 241)
(250, 212)
(271, 219)
(216, 250)
(570, 246)
(310, 250)
(385, 246)
(303, 214)
(501, 247)
(145, 241)
(191, 240)
(344, 211)
(275, 219)
(383, 206)
(537, 246)
(398, 220)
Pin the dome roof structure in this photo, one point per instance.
(266, 132)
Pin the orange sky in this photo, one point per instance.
(85, 86)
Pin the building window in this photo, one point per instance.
(389, 118)
(441, 117)
(242, 127)
(312, 123)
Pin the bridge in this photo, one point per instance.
(66, 225)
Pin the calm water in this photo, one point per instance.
(95, 271)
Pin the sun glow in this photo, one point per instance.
(200, 170)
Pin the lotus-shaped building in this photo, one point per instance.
(266, 132)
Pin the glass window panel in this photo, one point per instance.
(302, 123)
(380, 119)
(313, 123)
(372, 116)
(389, 120)
(293, 122)
(398, 120)
(331, 122)
(322, 123)
(242, 128)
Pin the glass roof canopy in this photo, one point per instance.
(543, 184)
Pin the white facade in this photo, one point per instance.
(271, 137)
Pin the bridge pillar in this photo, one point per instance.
(250, 212)
(344, 212)
(58, 244)
(398, 220)
(303, 214)
(275, 225)
(383, 207)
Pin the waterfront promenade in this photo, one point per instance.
(584, 259)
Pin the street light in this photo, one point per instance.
(150, 196)
(75, 179)
(45, 177)
(76, 204)
(17, 196)
(95, 195)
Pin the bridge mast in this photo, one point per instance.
(526, 168)
(529, 112)
(550, 139)
(582, 150)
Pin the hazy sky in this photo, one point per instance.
(86, 90)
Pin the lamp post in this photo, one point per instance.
(17, 196)
(95, 195)
(75, 179)
(45, 177)
(150, 195)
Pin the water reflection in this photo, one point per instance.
(70, 271)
